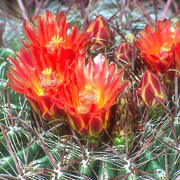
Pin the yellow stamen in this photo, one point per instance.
(87, 97)
(39, 91)
(48, 82)
(165, 49)
(47, 71)
(88, 87)
(56, 40)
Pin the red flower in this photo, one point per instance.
(88, 99)
(101, 34)
(156, 46)
(38, 75)
(50, 31)
(151, 90)
(41, 65)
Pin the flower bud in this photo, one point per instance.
(101, 34)
(151, 90)
(124, 52)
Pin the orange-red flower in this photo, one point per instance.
(156, 46)
(101, 34)
(50, 31)
(151, 90)
(38, 75)
(41, 65)
(88, 99)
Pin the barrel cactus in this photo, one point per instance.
(73, 106)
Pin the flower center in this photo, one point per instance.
(165, 49)
(47, 71)
(48, 82)
(87, 97)
(56, 40)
